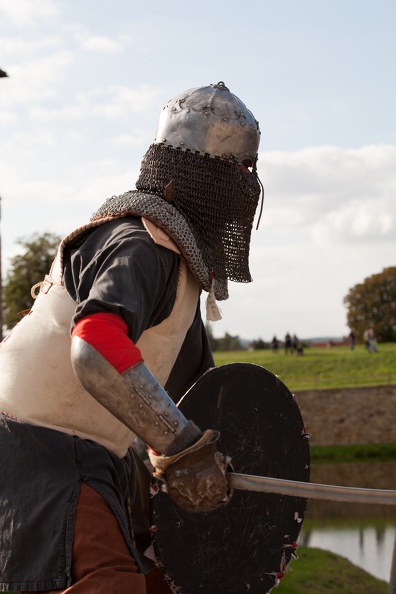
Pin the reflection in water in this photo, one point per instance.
(364, 533)
(366, 547)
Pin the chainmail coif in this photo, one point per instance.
(217, 199)
(209, 214)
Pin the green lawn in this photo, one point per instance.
(321, 572)
(323, 368)
(373, 452)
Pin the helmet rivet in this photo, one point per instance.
(188, 110)
(181, 143)
(206, 113)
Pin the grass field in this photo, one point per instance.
(322, 572)
(321, 367)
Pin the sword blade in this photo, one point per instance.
(247, 482)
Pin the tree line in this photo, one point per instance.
(371, 303)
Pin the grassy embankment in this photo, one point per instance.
(323, 368)
(322, 572)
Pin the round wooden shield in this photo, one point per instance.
(247, 545)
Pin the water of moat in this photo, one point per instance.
(363, 533)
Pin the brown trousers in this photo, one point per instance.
(101, 560)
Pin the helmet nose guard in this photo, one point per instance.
(210, 120)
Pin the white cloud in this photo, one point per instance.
(101, 44)
(28, 13)
(36, 79)
(103, 103)
(125, 99)
(137, 139)
(334, 194)
(8, 118)
(14, 46)
(68, 113)
(360, 220)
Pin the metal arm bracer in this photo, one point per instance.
(134, 397)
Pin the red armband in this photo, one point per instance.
(108, 334)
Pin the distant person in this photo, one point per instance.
(275, 345)
(287, 343)
(298, 348)
(371, 340)
(294, 343)
(366, 339)
(351, 338)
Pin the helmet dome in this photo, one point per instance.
(210, 120)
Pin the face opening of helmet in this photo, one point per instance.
(247, 166)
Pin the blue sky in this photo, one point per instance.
(87, 81)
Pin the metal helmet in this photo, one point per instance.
(210, 120)
(203, 137)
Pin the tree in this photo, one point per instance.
(26, 270)
(372, 303)
(213, 342)
(229, 343)
(259, 344)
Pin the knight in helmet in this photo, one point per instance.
(114, 339)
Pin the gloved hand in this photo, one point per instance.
(195, 477)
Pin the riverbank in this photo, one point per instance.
(321, 572)
(375, 452)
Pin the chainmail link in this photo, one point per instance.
(217, 199)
